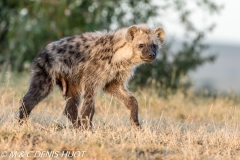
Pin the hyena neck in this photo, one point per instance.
(123, 52)
(122, 62)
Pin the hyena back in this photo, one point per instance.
(81, 64)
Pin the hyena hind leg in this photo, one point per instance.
(40, 87)
(73, 100)
(88, 106)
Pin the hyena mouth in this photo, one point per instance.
(146, 60)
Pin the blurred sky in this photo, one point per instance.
(224, 73)
(228, 23)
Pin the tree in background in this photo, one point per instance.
(26, 27)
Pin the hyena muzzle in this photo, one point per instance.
(81, 64)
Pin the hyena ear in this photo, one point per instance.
(160, 34)
(130, 33)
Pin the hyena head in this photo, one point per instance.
(145, 42)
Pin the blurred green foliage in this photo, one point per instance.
(27, 26)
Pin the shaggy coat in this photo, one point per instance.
(81, 64)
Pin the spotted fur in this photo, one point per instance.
(81, 64)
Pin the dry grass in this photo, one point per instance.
(175, 128)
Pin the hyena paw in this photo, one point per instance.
(136, 126)
(22, 121)
(86, 124)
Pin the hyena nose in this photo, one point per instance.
(151, 56)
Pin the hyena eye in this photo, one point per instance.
(140, 45)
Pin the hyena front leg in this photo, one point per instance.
(87, 106)
(121, 93)
(73, 100)
(40, 86)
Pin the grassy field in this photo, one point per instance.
(180, 127)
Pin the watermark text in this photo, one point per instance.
(42, 154)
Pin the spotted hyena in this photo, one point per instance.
(81, 64)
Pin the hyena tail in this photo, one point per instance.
(40, 86)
